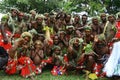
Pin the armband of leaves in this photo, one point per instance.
(113, 27)
(88, 48)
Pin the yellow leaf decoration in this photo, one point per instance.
(46, 28)
(93, 76)
(86, 71)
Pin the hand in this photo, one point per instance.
(21, 42)
(96, 38)
(25, 46)
(70, 49)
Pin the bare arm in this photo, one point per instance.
(3, 33)
(17, 47)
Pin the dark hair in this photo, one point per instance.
(84, 15)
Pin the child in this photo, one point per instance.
(37, 55)
(58, 68)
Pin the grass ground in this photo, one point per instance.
(46, 75)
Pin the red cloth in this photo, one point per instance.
(8, 45)
(58, 70)
(28, 68)
(118, 29)
(48, 60)
(97, 69)
(16, 36)
(38, 70)
(65, 58)
(11, 66)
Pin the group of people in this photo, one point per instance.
(59, 41)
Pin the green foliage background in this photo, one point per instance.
(93, 7)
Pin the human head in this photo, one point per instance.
(56, 39)
(76, 42)
(61, 34)
(103, 17)
(27, 37)
(111, 18)
(38, 44)
(20, 15)
(84, 18)
(14, 12)
(57, 50)
(33, 12)
(87, 30)
(95, 20)
(77, 18)
(68, 17)
(39, 18)
(70, 29)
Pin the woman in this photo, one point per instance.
(19, 55)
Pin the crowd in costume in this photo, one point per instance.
(59, 41)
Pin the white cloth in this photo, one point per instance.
(113, 62)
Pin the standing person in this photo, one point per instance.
(60, 22)
(112, 67)
(76, 22)
(84, 20)
(103, 21)
(19, 26)
(5, 39)
(39, 27)
(110, 29)
(8, 20)
(118, 26)
(68, 19)
(77, 25)
(95, 26)
(7, 27)
(32, 15)
(12, 20)
(22, 25)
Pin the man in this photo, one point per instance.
(110, 29)
(74, 53)
(8, 23)
(70, 32)
(103, 21)
(3, 34)
(76, 22)
(39, 26)
(88, 36)
(84, 20)
(95, 26)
